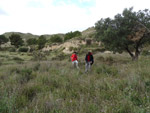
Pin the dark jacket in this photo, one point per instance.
(89, 58)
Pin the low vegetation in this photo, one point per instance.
(71, 35)
(56, 39)
(115, 84)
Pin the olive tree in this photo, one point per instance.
(128, 31)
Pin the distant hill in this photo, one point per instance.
(23, 35)
(88, 33)
(26, 36)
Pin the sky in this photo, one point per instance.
(59, 16)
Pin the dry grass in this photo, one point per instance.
(115, 85)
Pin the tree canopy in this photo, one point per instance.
(56, 38)
(16, 40)
(71, 35)
(3, 40)
(126, 32)
(41, 42)
(32, 41)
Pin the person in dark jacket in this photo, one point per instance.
(89, 59)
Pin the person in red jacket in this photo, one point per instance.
(74, 59)
(89, 61)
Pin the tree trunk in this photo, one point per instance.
(130, 53)
(133, 56)
(137, 53)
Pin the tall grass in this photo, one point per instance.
(115, 85)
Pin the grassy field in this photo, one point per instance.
(115, 85)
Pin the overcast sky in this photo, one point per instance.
(59, 16)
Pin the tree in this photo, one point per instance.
(128, 31)
(32, 41)
(71, 35)
(3, 40)
(41, 42)
(16, 40)
(56, 38)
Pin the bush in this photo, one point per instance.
(56, 38)
(71, 35)
(32, 41)
(16, 40)
(41, 42)
(145, 53)
(12, 50)
(18, 59)
(25, 76)
(88, 41)
(23, 49)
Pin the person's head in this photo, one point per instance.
(89, 53)
(74, 52)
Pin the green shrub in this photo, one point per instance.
(41, 42)
(25, 75)
(71, 35)
(18, 59)
(56, 38)
(32, 41)
(12, 49)
(16, 40)
(145, 52)
(23, 49)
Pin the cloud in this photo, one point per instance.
(2, 12)
(59, 16)
(46, 18)
(78, 3)
(35, 4)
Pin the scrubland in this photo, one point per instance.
(116, 84)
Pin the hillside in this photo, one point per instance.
(46, 82)
(67, 47)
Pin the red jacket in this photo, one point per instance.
(89, 57)
(74, 57)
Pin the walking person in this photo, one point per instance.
(74, 59)
(89, 59)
